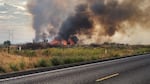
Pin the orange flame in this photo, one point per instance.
(56, 42)
(64, 42)
(71, 42)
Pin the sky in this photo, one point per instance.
(16, 25)
(15, 22)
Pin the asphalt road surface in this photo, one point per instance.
(131, 70)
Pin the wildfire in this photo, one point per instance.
(64, 42)
(71, 41)
(55, 42)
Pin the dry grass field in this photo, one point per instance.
(29, 59)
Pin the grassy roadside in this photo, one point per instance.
(29, 59)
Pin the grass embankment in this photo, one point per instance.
(29, 59)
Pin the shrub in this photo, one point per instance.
(29, 53)
(22, 65)
(42, 63)
(14, 67)
(68, 61)
(116, 55)
(55, 61)
(17, 52)
(73, 60)
(94, 58)
(79, 59)
(2, 70)
(46, 53)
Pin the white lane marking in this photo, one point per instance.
(107, 77)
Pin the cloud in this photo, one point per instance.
(21, 13)
(14, 16)
(7, 17)
(3, 12)
(10, 11)
(22, 8)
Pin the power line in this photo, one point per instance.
(10, 34)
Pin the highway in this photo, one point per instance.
(131, 70)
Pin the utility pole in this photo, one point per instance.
(11, 35)
(10, 39)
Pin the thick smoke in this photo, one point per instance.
(76, 24)
(110, 15)
(94, 20)
(48, 15)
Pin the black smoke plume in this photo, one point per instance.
(111, 15)
(48, 15)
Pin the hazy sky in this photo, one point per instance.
(15, 21)
(16, 25)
